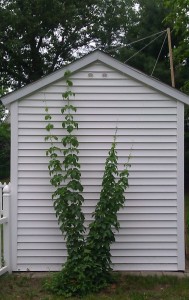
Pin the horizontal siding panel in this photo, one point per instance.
(150, 214)
(126, 210)
(103, 146)
(98, 181)
(159, 253)
(99, 174)
(107, 131)
(104, 153)
(145, 267)
(115, 260)
(105, 111)
(124, 231)
(95, 196)
(146, 224)
(40, 260)
(98, 74)
(98, 167)
(119, 238)
(101, 82)
(145, 245)
(120, 246)
(42, 253)
(101, 160)
(145, 260)
(56, 89)
(54, 246)
(144, 216)
(118, 267)
(95, 189)
(28, 116)
(39, 267)
(37, 217)
(129, 202)
(102, 104)
(106, 139)
(44, 97)
(123, 224)
(102, 125)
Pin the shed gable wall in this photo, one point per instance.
(147, 124)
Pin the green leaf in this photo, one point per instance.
(49, 127)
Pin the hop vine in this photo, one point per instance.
(88, 266)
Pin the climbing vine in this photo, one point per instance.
(88, 264)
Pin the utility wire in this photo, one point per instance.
(144, 47)
(147, 37)
(159, 54)
(120, 47)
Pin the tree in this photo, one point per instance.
(2, 108)
(39, 36)
(4, 150)
(151, 15)
(4, 141)
(179, 18)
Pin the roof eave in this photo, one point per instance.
(83, 62)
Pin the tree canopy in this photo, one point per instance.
(151, 15)
(39, 36)
(178, 16)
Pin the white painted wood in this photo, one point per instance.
(28, 117)
(106, 139)
(118, 245)
(7, 227)
(23, 240)
(3, 270)
(5, 251)
(180, 189)
(48, 97)
(1, 222)
(14, 184)
(101, 103)
(106, 111)
(132, 267)
(94, 196)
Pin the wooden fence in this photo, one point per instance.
(4, 229)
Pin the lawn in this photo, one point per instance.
(126, 287)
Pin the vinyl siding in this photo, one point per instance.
(147, 128)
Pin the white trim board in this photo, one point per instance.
(87, 60)
(14, 184)
(180, 186)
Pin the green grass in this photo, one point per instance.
(126, 287)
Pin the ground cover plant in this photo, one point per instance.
(125, 287)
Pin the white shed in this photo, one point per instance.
(150, 120)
